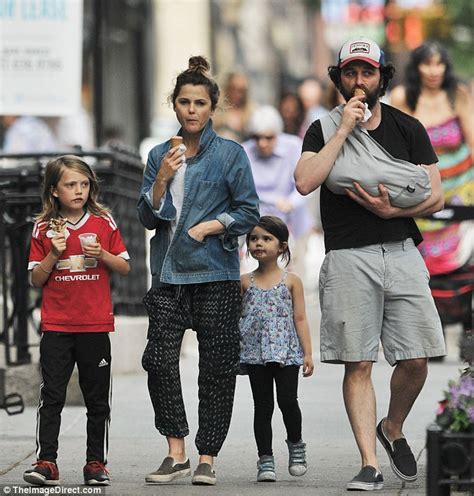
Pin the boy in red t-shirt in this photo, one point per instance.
(75, 244)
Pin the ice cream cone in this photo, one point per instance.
(176, 140)
(58, 225)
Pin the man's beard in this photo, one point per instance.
(371, 97)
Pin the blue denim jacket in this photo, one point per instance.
(218, 185)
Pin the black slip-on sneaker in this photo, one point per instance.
(368, 479)
(402, 460)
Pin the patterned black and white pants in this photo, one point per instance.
(213, 311)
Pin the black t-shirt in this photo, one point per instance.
(347, 224)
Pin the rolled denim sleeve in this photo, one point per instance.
(226, 220)
(229, 243)
(243, 212)
(150, 201)
(148, 215)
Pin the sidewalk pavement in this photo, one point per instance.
(136, 448)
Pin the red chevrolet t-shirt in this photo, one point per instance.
(77, 299)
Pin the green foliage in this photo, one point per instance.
(461, 40)
(313, 4)
(460, 422)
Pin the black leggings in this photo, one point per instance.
(261, 381)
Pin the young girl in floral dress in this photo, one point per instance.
(275, 343)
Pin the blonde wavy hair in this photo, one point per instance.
(54, 170)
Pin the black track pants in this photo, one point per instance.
(59, 352)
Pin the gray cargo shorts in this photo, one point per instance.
(377, 293)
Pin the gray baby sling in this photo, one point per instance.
(363, 160)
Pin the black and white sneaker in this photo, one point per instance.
(368, 479)
(402, 461)
(169, 471)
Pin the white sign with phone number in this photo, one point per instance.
(40, 57)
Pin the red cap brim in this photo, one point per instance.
(364, 59)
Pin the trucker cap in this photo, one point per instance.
(361, 49)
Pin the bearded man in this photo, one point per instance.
(373, 281)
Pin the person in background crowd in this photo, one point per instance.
(232, 121)
(273, 156)
(332, 98)
(198, 196)
(76, 130)
(373, 282)
(432, 94)
(310, 91)
(27, 134)
(293, 113)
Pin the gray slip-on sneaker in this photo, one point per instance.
(169, 471)
(204, 475)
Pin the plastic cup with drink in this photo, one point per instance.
(87, 239)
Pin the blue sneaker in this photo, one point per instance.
(266, 469)
(297, 465)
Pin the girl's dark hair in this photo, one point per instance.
(197, 73)
(276, 227)
(412, 74)
(387, 72)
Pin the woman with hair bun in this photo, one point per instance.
(199, 197)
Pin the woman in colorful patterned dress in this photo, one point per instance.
(444, 106)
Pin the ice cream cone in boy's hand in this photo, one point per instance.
(58, 225)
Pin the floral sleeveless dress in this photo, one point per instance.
(267, 329)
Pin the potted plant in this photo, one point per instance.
(450, 441)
